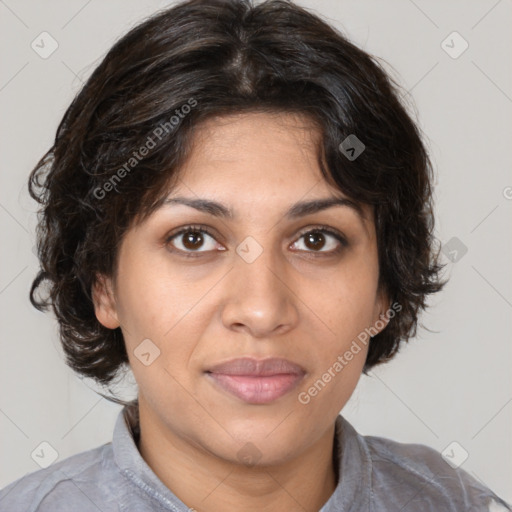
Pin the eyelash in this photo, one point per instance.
(204, 229)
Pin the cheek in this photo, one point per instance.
(150, 298)
(147, 308)
(161, 306)
(346, 303)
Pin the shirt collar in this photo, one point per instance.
(354, 469)
(133, 466)
(351, 454)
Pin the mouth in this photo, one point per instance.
(256, 381)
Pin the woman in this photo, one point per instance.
(239, 208)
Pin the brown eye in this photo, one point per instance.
(193, 240)
(314, 240)
(190, 240)
(319, 238)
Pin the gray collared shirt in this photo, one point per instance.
(377, 475)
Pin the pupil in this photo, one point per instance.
(310, 239)
(192, 240)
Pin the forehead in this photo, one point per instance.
(255, 162)
(216, 135)
(277, 153)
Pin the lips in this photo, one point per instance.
(257, 367)
(256, 381)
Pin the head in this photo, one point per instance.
(245, 106)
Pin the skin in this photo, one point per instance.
(295, 301)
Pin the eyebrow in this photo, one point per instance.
(297, 210)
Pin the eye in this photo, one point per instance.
(199, 240)
(315, 240)
(193, 241)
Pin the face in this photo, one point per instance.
(197, 288)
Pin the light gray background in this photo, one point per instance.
(453, 384)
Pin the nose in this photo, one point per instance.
(259, 297)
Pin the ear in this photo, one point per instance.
(382, 305)
(104, 302)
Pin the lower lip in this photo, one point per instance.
(257, 389)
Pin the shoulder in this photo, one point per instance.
(72, 482)
(422, 479)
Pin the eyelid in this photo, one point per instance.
(325, 229)
(185, 229)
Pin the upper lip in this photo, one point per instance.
(257, 367)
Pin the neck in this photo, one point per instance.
(204, 481)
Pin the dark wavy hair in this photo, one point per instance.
(181, 66)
